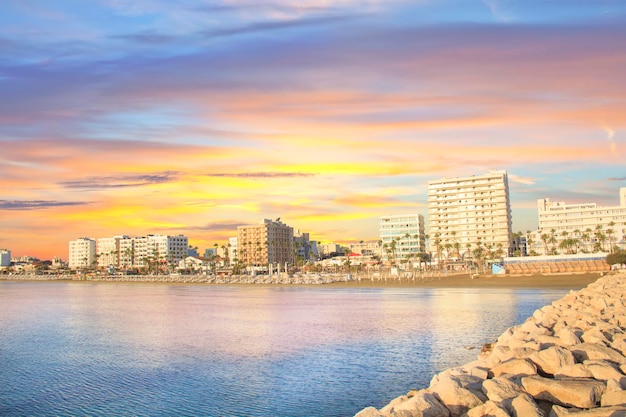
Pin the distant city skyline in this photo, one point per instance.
(131, 117)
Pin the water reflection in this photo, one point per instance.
(156, 349)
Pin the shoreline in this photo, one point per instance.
(557, 281)
(568, 358)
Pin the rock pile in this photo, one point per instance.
(568, 359)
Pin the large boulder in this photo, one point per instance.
(501, 388)
(421, 403)
(458, 393)
(615, 411)
(568, 392)
(592, 351)
(515, 367)
(525, 406)
(603, 370)
(550, 360)
(613, 398)
(488, 409)
(369, 412)
(577, 370)
(567, 337)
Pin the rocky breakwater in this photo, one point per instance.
(568, 359)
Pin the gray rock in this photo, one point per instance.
(568, 392)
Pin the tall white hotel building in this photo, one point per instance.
(465, 211)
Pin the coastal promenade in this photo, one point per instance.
(568, 359)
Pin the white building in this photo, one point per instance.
(160, 249)
(468, 214)
(402, 236)
(82, 253)
(108, 250)
(5, 257)
(232, 250)
(582, 227)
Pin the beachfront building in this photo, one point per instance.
(108, 251)
(232, 250)
(402, 236)
(581, 227)
(5, 257)
(268, 242)
(160, 250)
(371, 248)
(470, 217)
(302, 244)
(82, 253)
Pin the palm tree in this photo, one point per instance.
(610, 233)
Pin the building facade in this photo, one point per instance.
(584, 227)
(159, 249)
(232, 250)
(82, 253)
(470, 217)
(5, 257)
(402, 236)
(268, 242)
(128, 252)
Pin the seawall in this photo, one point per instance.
(568, 359)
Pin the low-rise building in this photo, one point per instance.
(402, 236)
(579, 227)
(5, 257)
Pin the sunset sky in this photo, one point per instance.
(196, 116)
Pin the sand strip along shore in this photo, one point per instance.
(567, 281)
(568, 359)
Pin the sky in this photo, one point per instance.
(129, 117)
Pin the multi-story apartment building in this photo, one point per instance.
(303, 246)
(126, 252)
(108, 250)
(402, 236)
(5, 257)
(82, 253)
(159, 248)
(470, 214)
(233, 252)
(584, 227)
(268, 242)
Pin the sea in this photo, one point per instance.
(115, 349)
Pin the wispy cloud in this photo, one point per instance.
(263, 175)
(37, 204)
(121, 181)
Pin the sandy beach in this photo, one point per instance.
(567, 281)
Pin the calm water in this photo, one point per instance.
(159, 350)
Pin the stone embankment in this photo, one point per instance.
(568, 359)
(276, 279)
